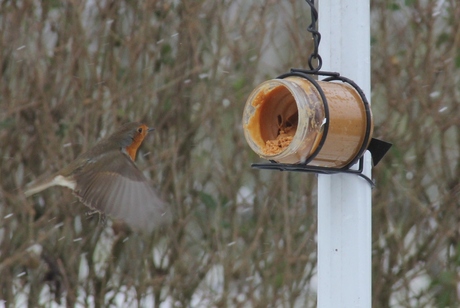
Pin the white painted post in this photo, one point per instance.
(344, 200)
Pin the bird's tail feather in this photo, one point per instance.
(40, 185)
(37, 187)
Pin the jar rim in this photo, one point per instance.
(302, 102)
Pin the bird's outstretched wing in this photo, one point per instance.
(114, 186)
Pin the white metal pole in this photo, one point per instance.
(344, 200)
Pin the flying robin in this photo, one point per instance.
(106, 180)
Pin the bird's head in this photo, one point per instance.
(130, 136)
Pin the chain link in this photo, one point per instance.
(312, 28)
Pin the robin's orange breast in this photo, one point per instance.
(106, 179)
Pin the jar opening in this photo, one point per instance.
(278, 120)
(282, 120)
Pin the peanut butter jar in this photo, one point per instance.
(288, 121)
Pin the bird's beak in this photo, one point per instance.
(150, 129)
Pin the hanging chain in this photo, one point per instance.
(312, 28)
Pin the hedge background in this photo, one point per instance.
(73, 71)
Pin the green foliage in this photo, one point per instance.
(393, 6)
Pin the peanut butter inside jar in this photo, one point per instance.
(284, 121)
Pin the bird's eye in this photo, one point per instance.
(139, 130)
